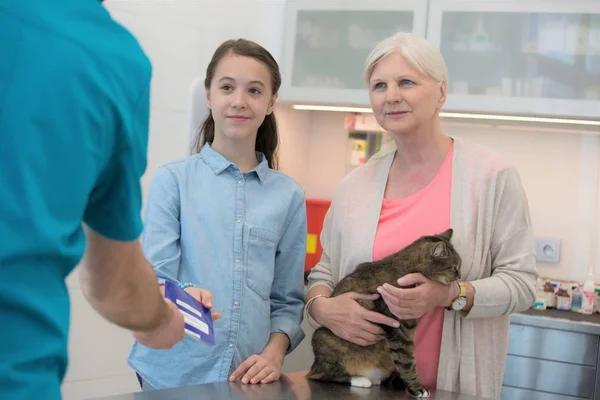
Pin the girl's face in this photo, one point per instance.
(240, 97)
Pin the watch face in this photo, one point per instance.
(459, 304)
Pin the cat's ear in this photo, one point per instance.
(447, 234)
(439, 250)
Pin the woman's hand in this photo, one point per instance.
(413, 303)
(347, 319)
(258, 369)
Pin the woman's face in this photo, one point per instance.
(402, 99)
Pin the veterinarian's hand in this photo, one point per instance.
(347, 319)
(257, 369)
(168, 333)
(412, 303)
(205, 297)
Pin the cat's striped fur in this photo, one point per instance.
(390, 361)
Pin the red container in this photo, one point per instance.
(315, 213)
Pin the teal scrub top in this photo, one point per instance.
(74, 105)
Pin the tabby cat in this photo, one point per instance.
(391, 361)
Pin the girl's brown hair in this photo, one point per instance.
(267, 138)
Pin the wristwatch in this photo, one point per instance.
(461, 301)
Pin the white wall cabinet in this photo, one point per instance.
(539, 57)
(528, 57)
(327, 43)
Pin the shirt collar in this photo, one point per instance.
(218, 163)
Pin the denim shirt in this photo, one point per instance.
(243, 237)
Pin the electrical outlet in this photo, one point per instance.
(547, 250)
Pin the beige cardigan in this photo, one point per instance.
(493, 235)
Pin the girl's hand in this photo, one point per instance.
(257, 369)
(205, 297)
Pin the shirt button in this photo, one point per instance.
(239, 220)
(230, 345)
(235, 303)
(237, 261)
(239, 182)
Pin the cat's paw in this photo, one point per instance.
(361, 381)
(420, 393)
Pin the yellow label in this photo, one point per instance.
(311, 243)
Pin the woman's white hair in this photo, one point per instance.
(418, 51)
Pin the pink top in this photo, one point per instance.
(403, 221)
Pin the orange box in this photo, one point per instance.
(315, 214)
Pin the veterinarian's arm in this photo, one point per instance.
(116, 278)
(121, 286)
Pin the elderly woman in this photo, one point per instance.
(428, 183)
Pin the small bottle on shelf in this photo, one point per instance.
(550, 295)
(576, 298)
(587, 304)
(563, 299)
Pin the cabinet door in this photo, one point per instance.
(550, 376)
(520, 57)
(511, 393)
(327, 43)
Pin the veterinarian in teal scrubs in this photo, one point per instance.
(74, 103)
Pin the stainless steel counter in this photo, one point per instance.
(292, 386)
(563, 320)
(553, 355)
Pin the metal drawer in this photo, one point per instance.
(550, 376)
(553, 344)
(512, 393)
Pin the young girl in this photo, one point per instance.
(226, 221)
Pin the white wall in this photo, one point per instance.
(559, 170)
(559, 173)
